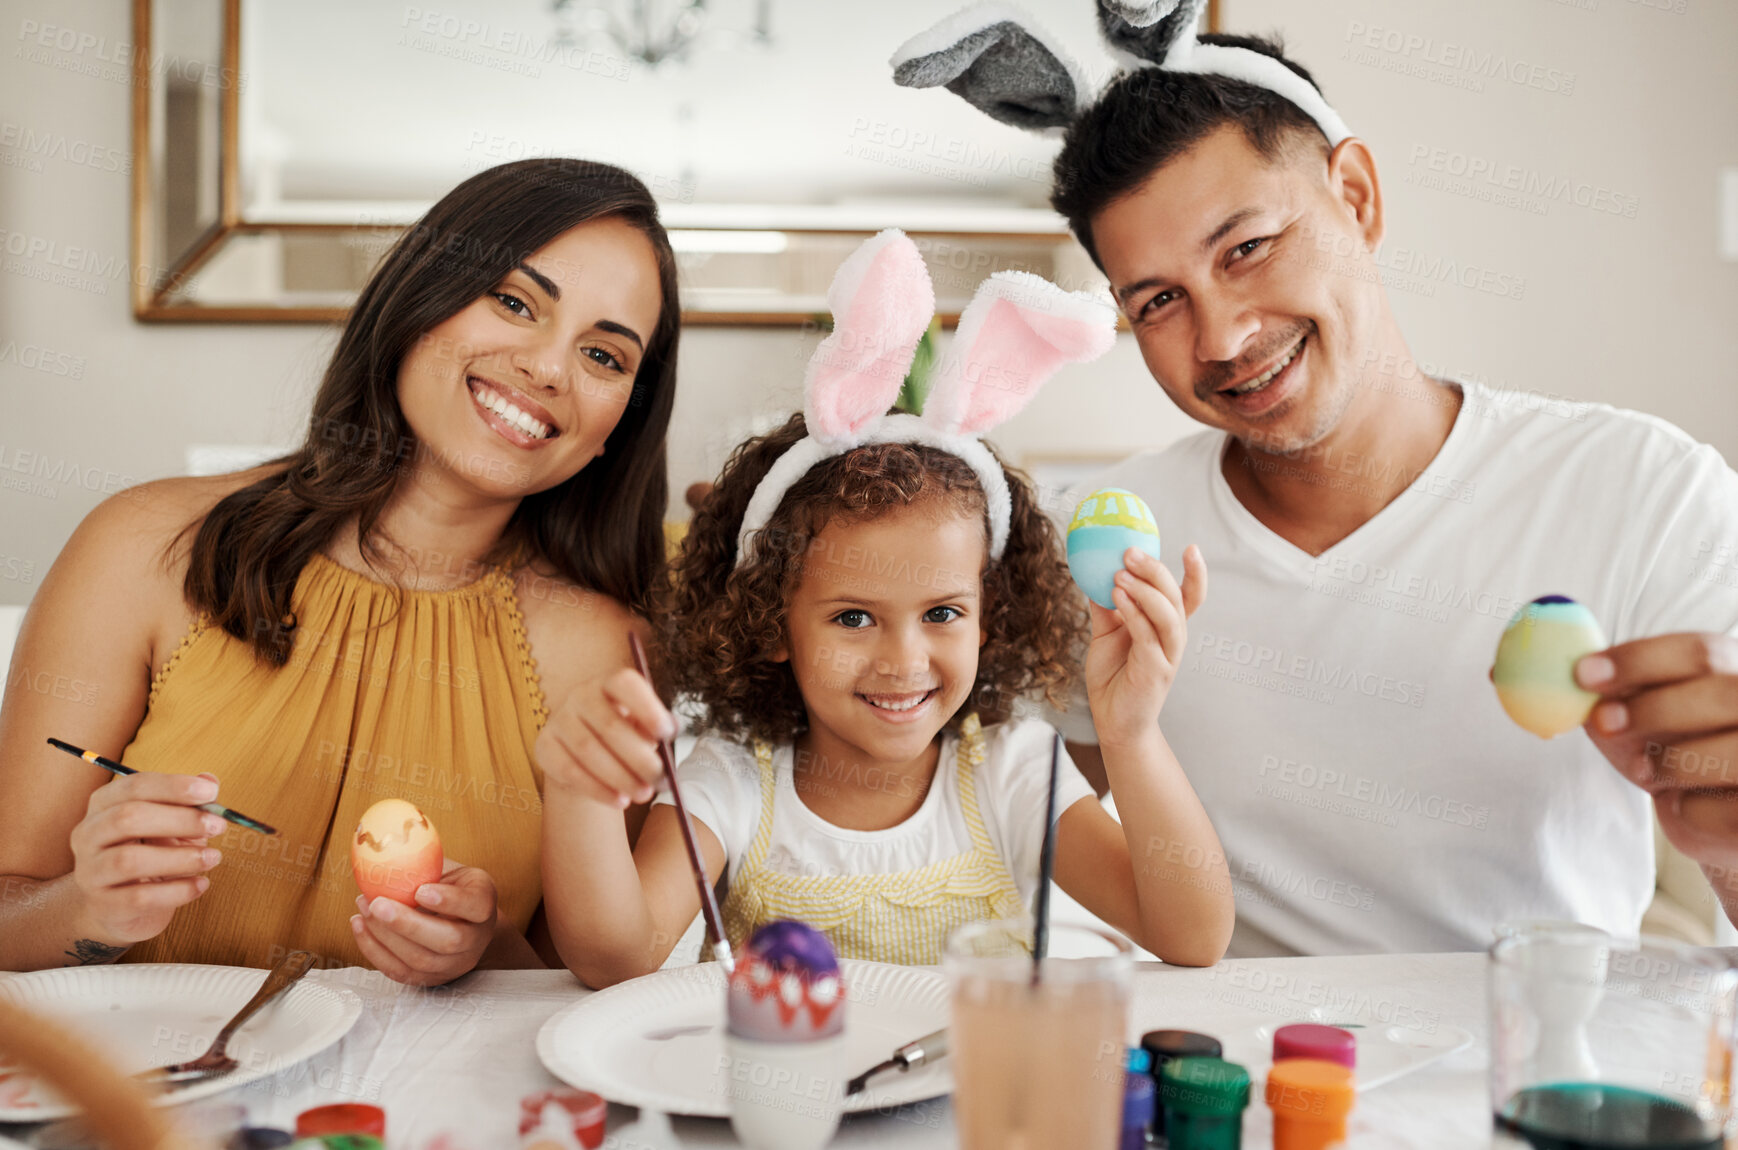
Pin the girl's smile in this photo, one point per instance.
(906, 708)
(901, 709)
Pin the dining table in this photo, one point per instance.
(449, 1064)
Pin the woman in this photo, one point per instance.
(467, 531)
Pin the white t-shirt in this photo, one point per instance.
(1334, 713)
(721, 787)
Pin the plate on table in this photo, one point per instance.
(142, 1015)
(1384, 1052)
(658, 1041)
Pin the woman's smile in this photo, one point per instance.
(512, 416)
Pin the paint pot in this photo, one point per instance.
(584, 1113)
(1313, 1040)
(341, 1118)
(1310, 1099)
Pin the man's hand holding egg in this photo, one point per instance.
(1667, 718)
(423, 919)
(1663, 710)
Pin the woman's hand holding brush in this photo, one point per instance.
(140, 854)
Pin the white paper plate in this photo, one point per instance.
(1384, 1052)
(657, 1041)
(143, 1015)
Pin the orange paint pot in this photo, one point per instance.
(1310, 1099)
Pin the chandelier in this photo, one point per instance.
(654, 32)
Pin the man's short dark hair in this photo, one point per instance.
(1149, 117)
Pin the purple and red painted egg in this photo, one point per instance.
(787, 986)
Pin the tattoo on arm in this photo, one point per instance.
(89, 952)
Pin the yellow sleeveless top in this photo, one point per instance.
(427, 696)
(902, 916)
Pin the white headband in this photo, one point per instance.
(1261, 70)
(1018, 330)
(998, 59)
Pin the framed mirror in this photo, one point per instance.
(281, 146)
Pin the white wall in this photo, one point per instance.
(1638, 312)
(1632, 311)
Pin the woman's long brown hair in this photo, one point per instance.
(601, 529)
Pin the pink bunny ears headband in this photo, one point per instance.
(998, 59)
(1013, 336)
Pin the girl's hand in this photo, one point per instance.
(139, 854)
(1137, 648)
(602, 742)
(436, 941)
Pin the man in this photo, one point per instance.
(1370, 531)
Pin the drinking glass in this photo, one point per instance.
(1601, 1043)
(1038, 1065)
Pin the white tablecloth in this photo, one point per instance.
(457, 1059)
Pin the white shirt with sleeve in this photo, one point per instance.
(721, 788)
(1334, 712)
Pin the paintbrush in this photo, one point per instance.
(922, 1052)
(1046, 867)
(113, 767)
(708, 900)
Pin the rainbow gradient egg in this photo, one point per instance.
(787, 986)
(1105, 524)
(1534, 672)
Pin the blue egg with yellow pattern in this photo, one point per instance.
(1534, 671)
(1105, 524)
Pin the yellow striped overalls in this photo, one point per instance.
(902, 916)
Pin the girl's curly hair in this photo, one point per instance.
(725, 624)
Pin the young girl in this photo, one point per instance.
(861, 602)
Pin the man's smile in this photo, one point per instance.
(1264, 389)
(1263, 378)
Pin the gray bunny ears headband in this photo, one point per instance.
(998, 60)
